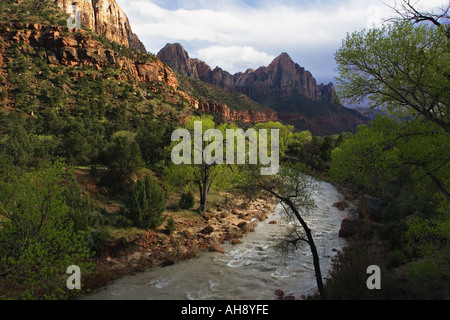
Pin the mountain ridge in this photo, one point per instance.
(282, 77)
(283, 86)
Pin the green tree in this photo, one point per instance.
(285, 133)
(368, 159)
(205, 175)
(153, 138)
(38, 240)
(124, 158)
(402, 66)
(146, 203)
(408, 155)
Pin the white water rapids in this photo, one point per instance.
(252, 270)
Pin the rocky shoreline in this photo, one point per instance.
(194, 235)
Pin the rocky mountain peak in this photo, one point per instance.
(106, 18)
(178, 59)
(283, 58)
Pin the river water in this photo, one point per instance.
(252, 270)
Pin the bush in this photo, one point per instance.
(146, 203)
(121, 221)
(187, 201)
(38, 238)
(171, 227)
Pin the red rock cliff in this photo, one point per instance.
(234, 115)
(76, 48)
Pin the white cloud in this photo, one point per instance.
(234, 58)
(231, 33)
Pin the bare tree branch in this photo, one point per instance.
(408, 11)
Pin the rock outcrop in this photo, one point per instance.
(78, 49)
(178, 59)
(366, 218)
(106, 18)
(371, 208)
(234, 115)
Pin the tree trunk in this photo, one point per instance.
(312, 246)
(204, 189)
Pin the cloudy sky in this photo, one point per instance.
(240, 34)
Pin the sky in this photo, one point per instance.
(240, 34)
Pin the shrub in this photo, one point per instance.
(187, 200)
(146, 203)
(171, 227)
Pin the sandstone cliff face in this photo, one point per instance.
(77, 49)
(107, 19)
(234, 115)
(282, 78)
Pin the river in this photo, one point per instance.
(252, 270)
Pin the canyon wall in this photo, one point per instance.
(78, 49)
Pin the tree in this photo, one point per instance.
(408, 155)
(153, 137)
(368, 159)
(206, 174)
(407, 11)
(38, 240)
(293, 189)
(285, 133)
(403, 67)
(123, 157)
(146, 203)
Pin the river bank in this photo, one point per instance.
(253, 269)
(138, 251)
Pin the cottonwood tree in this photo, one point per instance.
(203, 175)
(408, 11)
(293, 189)
(403, 66)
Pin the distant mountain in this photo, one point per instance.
(284, 86)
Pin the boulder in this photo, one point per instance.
(351, 226)
(207, 230)
(341, 205)
(242, 225)
(279, 293)
(349, 213)
(371, 208)
(217, 248)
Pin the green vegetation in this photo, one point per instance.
(40, 237)
(29, 11)
(401, 158)
(146, 203)
(53, 215)
(187, 201)
(235, 101)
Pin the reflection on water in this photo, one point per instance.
(250, 271)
